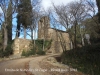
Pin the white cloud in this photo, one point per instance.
(0, 10)
(47, 3)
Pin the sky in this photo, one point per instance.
(48, 3)
(45, 4)
(0, 10)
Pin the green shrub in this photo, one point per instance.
(85, 59)
(41, 52)
(1, 53)
(23, 53)
(8, 51)
(39, 44)
(38, 49)
(28, 53)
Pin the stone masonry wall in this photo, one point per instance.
(47, 33)
(21, 44)
(55, 35)
(43, 25)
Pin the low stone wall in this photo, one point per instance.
(21, 44)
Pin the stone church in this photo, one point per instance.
(45, 32)
(59, 38)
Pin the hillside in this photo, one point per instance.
(85, 59)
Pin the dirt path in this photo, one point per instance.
(14, 67)
(17, 66)
(49, 66)
(34, 66)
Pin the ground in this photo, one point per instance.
(40, 65)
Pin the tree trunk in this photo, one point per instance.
(83, 41)
(75, 35)
(43, 43)
(24, 33)
(5, 39)
(34, 37)
(88, 40)
(31, 34)
(9, 21)
(71, 45)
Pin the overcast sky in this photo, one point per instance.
(47, 3)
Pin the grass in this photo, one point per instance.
(38, 49)
(8, 51)
(85, 59)
(39, 44)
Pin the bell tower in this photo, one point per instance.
(43, 26)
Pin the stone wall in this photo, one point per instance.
(43, 26)
(47, 33)
(57, 37)
(21, 44)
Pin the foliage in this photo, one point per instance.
(92, 26)
(85, 59)
(98, 5)
(8, 51)
(23, 53)
(39, 44)
(78, 33)
(38, 49)
(1, 39)
(24, 16)
(40, 52)
(28, 53)
(9, 20)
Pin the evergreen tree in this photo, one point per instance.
(9, 21)
(24, 16)
(98, 5)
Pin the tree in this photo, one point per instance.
(5, 16)
(9, 21)
(24, 16)
(91, 27)
(35, 17)
(98, 5)
(3, 5)
(72, 15)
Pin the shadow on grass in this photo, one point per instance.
(85, 59)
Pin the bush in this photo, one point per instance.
(38, 49)
(39, 44)
(23, 53)
(85, 59)
(1, 53)
(8, 51)
(28, 53)
(41, 52)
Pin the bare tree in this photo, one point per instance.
(4, 6)
(35, 17)
(72, 15)
(58, 35)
